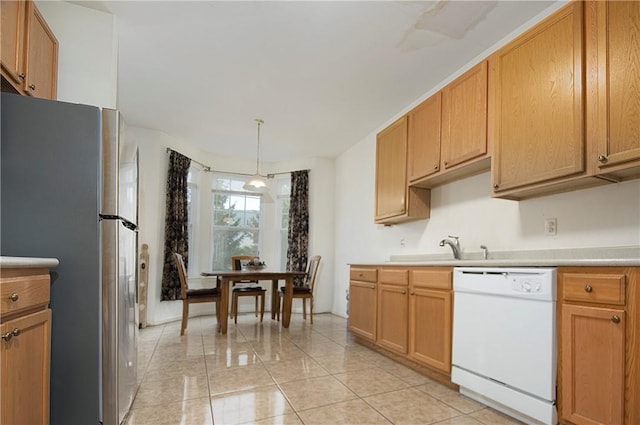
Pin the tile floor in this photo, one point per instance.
(264, 374)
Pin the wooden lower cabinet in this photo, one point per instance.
(431, 317)
(413, 313)
(25, 348)
(393, 311)
(363, 302)
(599, 346)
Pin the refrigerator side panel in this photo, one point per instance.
(49, 208)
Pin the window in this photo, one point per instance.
(192, 217)
(235, 222)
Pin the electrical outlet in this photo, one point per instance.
(551, 227)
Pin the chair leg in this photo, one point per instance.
(235, 308)
(219, 330)
(277, 306)
(311, 309)
(261, 306)
(304, 308)
(256, 305)
(185, 316)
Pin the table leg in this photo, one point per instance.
(288, 300)
(223, 305)
(274, 299)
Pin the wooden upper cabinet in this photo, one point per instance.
(29, 50)
(42, 59)
(424, 138)
(13, 30)
(395, 201)
(536, 104)
(613, 86)
(448, 132)
(464, 117)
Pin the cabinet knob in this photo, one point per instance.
(446, 163)
(403, 292)
(588, 288)
(412, 293)
(7, 336)
(22, 76)
(602, 158)
(14, 297)
(615, 319)
(435, 167)
(32, 87)
(496, 185)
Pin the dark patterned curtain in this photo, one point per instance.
(298, 235)
(176, 236)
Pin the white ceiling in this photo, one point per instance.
(322, 75)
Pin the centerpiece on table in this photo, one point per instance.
(255, 264)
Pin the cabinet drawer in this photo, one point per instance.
(426, 278)
(22, 293)
(394, 276)
(595, 288)
(363, 274)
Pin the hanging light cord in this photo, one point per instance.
(260, 122)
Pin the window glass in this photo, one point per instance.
(235, 224)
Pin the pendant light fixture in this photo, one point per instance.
(258, 182)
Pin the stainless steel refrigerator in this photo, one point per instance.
(69, 190)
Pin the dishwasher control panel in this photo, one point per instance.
(534, 282)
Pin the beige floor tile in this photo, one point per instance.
(166, 363)
(238, 379)
(405, 373)
(460, 420)
(293, 370)
(343, 362)
(290, 419)
(411, 406)
(249, 406)
(367, 382)
(348, 412)
(451, 397)
(187, 412)
(170, 390)
(195, 369)
(316, 392)
(492, 417)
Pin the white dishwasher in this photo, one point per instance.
(504, 339)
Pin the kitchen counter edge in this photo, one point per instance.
(27, 262)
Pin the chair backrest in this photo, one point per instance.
(182, 272)
(312, 272)
(236, 261)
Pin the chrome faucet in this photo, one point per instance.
(455, 246)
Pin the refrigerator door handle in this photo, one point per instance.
(126, 223)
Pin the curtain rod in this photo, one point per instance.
(208, 169)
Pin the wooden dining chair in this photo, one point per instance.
(247, 288)
(190, 296)
(305, 291)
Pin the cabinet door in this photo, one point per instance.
(592, 365)
(613, 60)
(42, 57)
(424, 138)
(362, 309)
(464, 117)
(537, 104)
(391, 170)
(430, 327)
(392, 317)
(13, 27)
(25, 369)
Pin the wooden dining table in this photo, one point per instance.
(226, 277)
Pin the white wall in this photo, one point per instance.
(87, 53)
(153, 171)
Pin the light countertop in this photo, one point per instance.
(27, 262)
(589, 257)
